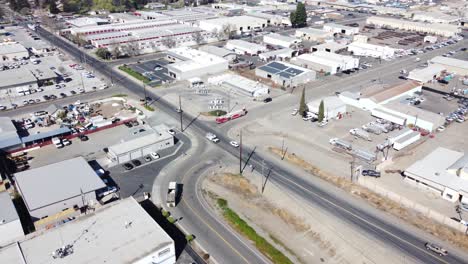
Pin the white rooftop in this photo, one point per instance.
(194, 59)
(330, 102)
(245, 44)
(280, 37)
(368, 46)
(333, 25)
(313, 31)
(120, 232)
(235, 20)
(450, 62)
(11, 47)
(8, 211)
(332, 45)
(239, 82)
(426, 74)
(333, 56)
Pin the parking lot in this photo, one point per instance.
(155, 70)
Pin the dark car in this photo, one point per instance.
(127, 166)
(135, 123)
(371, 173)
(443, 81)
(148, 158)
(267, 100)
(72, 92)
(402, 77)
(53, 97)
(136, 162)
(128, 124)
(46, 97)
(84, 138)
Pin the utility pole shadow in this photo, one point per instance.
(191, 122)
(248, 159)
(266, 179)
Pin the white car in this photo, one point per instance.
(234, 144)
(158, 68)
(66, 142)
(171, 131)
(441, 128)
(155, 155)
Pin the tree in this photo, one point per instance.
(198, 37)
(299, 17)
(103, 53)
(302, 105)
(321, 112)
(292, 18)
(228, 31)
(53, 8)
(169, 42)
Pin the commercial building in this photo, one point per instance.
(276, 39)
(153, 139)
(340, 29)
(445, 30)
(444, 172)
(242, 47)
(452, 65)
(371, 50)
(10, 224)
(86, 21)
(405, 138)
(20, 77)
(285, 74)
(427, 74)
(51, 189)
(236, 24)
(189, 63)
(326, 62)
(240, 85)
(331, 46)
(272, 19)
(313, 34)
(11, 51)
(220, 52)
(120, 232)
(279, 54)
(9, 138)
(434, 17)
(334, 107)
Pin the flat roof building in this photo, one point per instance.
(333, 106)
(53, 188)
(370, 50)
(279, 54)
(220, 52)
(120, 232)
(427, 74)
(9, 137)
(16, 78)
(237, 24)
(326, 62)
(445, 30)
(10, 224)
(10, 51)
(331, 46)
(280, 40)
(244, 47)
(313, 34)
(285, 74)
(240, 84)
(135, 146)
(456, 66)
(191, 63)
(340, 29)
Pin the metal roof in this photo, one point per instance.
(284, 70)
(17, 77)
(463, 64)
(57, 182)
(8, 211)
(53, 133)
(120, 232)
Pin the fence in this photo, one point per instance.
(405, 202)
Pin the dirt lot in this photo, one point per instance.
(305, 234)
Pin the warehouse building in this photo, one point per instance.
(326, 62)
(240, 85)
(371, 50)
(11, 51)
(445, 30)
(434, 17)
(86, 22)
(243, 47)
(58, 187)
(285, 74)
(340, 29)
(280, 40)
(313, 34)
(119, 232)
(189, 63)
(272, 19)
(135, 146)
(427, 74)
(331, 46)
(10, 224)
(220, 52)
(279, 54)
(444, 172)
(334, 107)
(452, 65)
(237, 24)
(9, 138)
(20, 77)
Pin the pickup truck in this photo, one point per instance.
(212, 137)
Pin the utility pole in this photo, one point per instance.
(144, 92)
(351, 163)
(180, 113)
(240, 152)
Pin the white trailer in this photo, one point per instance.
(406, 140)
(340, 143)
(360, 133)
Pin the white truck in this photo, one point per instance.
(172, 192)
(212, 137)
(57, 142)
(360, 133)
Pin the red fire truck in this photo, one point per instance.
(231, 116)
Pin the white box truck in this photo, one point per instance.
(172, 192)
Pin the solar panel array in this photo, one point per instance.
(281, 70)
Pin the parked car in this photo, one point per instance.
(148, 158)
(128, 124)
(371, 173)
(127, 166)
(154, 155)
(83, 137)
(234, 144)
(267, 100)
(436, 249)
(171, 131)
(136, 162)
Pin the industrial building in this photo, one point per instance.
(443, 171)
(120, 232)
(340, 29)
(334, 107)
(276, 39)
(313, 34)
(11, 51)
(445, 30)
(434, 17)
(331, 46)
(86, 22)
(237, 24)
(189, 63)
(10, 224)
(452, 65)
(371, 50)
(51, 189)
(240, 85)
(243, 47)
(427, 74)
(279, 54)
(285, 74)
(9, 138)
(404, 138)
(326, 62)
(220, 52)
(152, 139)
(272, 19)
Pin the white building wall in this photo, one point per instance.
(278, 42)
(369, 50)
(10, 232)
(187, 74)
(155, 147)
(165, 255)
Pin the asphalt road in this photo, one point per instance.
(394, 235)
